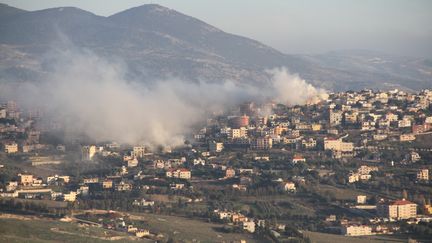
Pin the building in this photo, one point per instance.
(132, 162)
(57, 178)
(239, 121)
(238, 133)
(229, 173)
(263, 143)
(215, 147)
(298, 159)
(107, 184)
(249, 226)
(142, 233)
(335, 117)
(25, 179)
(143, 203)
(309, 143)
(365, 170)
(337, 145)
(123, 186)
(138, 151)
(288, 186)
(417, 129)
(361, 199)
(69, 197)
(400, 209)
(88, 152)
(423, 175)
(11, 148)
(179, 173)
(407, 137)
(356, 230)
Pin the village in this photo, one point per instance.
(355, 163)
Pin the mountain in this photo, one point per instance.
(158, 42)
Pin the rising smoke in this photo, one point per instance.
(92, 96)
(290, 89)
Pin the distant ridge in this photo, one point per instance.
(157, 42)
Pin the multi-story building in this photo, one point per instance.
(338, 145)
(335, 117)
(400, 209)
(25, 179)
(215, 147)
(11, 148)
(263, 143)
(309, 143)
(238, 133)
(88, 152)
(356, 230)
(69, 197)
(239, 121)
(423, 175)
(138, 151)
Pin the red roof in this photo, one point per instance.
(401, 202)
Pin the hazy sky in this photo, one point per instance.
(297, 26)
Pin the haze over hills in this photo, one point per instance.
(157, 42)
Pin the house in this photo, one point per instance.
(423, 175)
(353, 177)
(298, 158)
(123, 186)
(309, 143)
(181, 173)
(249, 226)
(407, 137)
(132, 162)
(229, 173)
(288, 186)
(414, 156)
(69, 197)
(143, 203)
(57, 178)
(361, 199)
(365, 170)
(25, 179)
(107, 184)
(142, 233)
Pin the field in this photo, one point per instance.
(29, 229)
(190, 230)
(15, 228)
(317, 237)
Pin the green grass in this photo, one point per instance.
(190, 230)
(41, 230)
(317, 237)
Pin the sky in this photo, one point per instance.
(399, 27)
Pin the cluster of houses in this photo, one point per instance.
(341, 127)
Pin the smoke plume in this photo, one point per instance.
(290, 89)
(92, 96)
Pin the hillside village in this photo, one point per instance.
(356, 163)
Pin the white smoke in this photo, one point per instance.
(92, 96)
(290, 89)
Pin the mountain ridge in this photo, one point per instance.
(159, 42)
